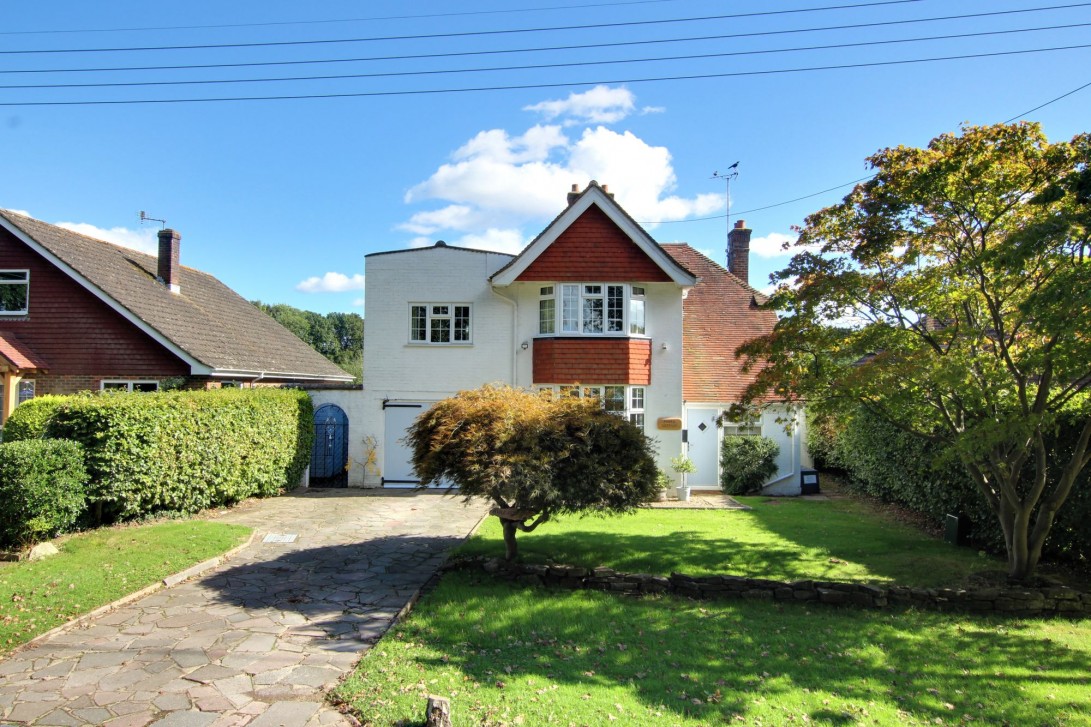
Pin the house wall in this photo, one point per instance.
(81, 338)
(602, 360)
(398, 370)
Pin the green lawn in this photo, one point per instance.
(98, 567)
(506, 655)
(781, 539)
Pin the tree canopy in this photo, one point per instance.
(533, 457)
(337, 336)
(951, 295)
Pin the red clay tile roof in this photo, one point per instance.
(19, 354)
(718, 316)
(208, 320)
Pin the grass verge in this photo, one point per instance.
(781, 539)
(98, 567)
(504, 654)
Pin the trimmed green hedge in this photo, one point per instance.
(746, 463)
(183, 451)
(42, 486)
(30, 418)
(885, 462)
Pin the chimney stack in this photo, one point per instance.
(738, 251)
(170, 269)
(574, 194)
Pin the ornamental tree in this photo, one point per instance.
(533, 457)
(950, 295)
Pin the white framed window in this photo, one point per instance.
(26, 390)
(439, 323)
(624, 401)
(742, 429)
(14, 292)
(593, 309)
(129, 385)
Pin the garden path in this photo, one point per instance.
(256, 641)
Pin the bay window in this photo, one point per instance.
(591, 309)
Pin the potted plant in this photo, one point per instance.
(683, 465)
(664, 481)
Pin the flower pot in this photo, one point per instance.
(683, 493)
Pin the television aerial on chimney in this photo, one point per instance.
(731, 173)
(144, 218)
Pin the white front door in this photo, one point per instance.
(704, 447)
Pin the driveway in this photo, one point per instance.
(258, 640)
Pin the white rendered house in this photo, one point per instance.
(592, 307)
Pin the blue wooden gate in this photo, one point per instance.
(330, 452)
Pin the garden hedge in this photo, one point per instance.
(183, 451)
(42, 486)
(30, 418)
(885, 462)
(746, 463)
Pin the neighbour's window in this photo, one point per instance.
(26, 390)
(749, 429)
(14, 292)
(591, 309)
(439, 323)
(129, 385)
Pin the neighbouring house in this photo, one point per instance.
(78, 314)
(593, 307)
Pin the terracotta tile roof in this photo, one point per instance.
(719, 314)
(207, 320)
(19, 354)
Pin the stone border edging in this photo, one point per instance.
(167, 582)
(1052, 600)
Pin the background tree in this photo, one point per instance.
(950, 295)
(337, 336)
(533, 457)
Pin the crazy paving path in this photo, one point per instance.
(256, 641)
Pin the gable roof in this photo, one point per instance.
(207, 325)
(19, 355)
(594, 195)
(719, 314)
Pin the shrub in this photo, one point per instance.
(42, 485)
(183, 451)
(30, 418)
(746, 463)
(889, 464)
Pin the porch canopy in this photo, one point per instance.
(17, 360)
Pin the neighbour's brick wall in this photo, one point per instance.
(1051, 600)
(77, 334)
(593, 249)
(585, 360)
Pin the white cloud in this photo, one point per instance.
(359, 303)
(653, 110)
(24, 213)
(331, 283)
(452, 217)
(494, 240)
(772, 245)
(144, 239)
(600, 105)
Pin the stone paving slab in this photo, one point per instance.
(257, 640)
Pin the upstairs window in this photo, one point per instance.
(591, 309)
(439, 323)
(14, 292)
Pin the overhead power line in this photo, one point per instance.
(503, 31)
(539, 66)
(560, 84)
(422, 56)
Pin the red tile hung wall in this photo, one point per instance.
(75, 332)
(593, 249)
(593, 361)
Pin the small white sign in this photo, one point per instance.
(279, 538)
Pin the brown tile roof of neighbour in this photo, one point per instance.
(19, 354)
(206, 321)
(719, 314)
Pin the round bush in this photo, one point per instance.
(746, 463)
(42, 486)
(30, 418)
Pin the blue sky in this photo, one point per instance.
(282, 199)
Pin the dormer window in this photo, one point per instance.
(14, 292)
(592, 309)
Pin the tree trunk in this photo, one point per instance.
(510, 528)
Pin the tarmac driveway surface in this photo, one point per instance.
(259, 639)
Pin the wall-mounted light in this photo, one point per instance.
(664, 347)
(525, 345)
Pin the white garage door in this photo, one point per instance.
(397, 455)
